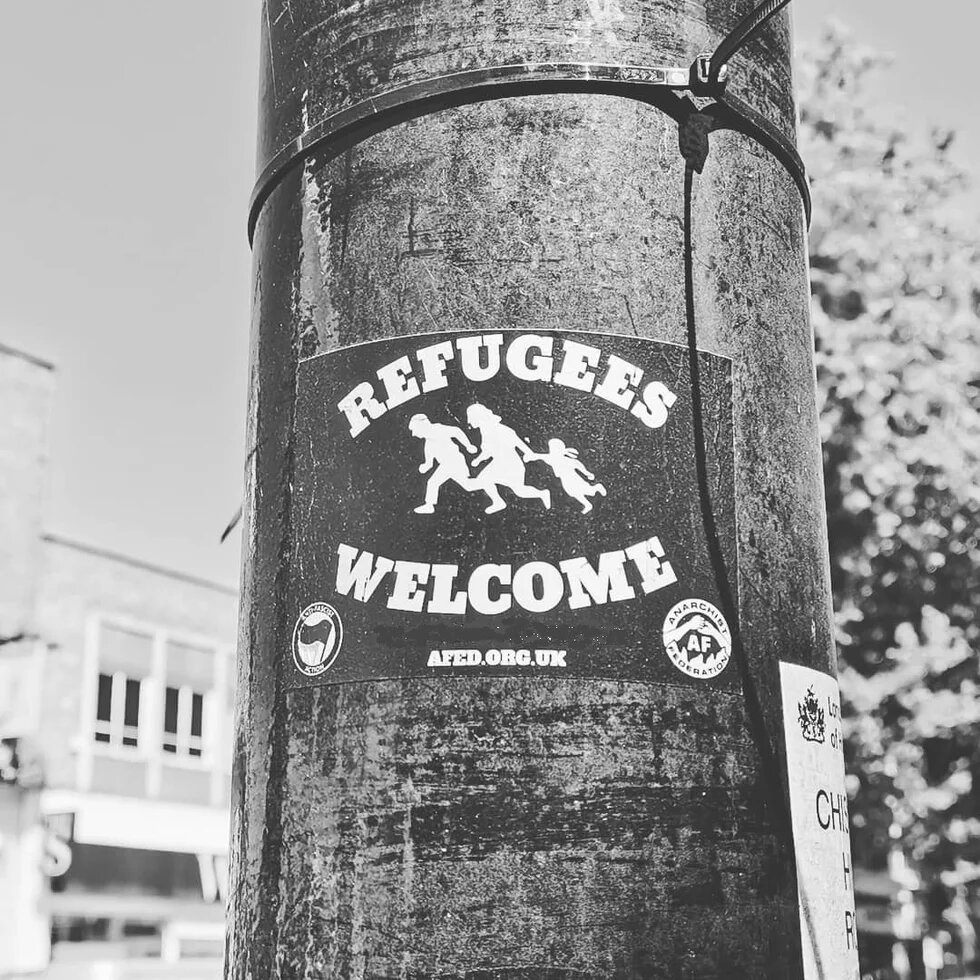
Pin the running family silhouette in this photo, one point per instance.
(506, 456)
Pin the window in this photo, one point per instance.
(189, 676)
(183, 721)
(117, 715)
(156, 715)
(125, 659)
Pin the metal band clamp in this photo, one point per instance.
(676, 91)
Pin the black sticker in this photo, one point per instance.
(508, 503)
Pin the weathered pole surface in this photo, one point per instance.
(418, 818)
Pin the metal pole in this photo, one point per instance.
(494, 719)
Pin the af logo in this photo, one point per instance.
(697, 638)
(317, 636)
(811, 718)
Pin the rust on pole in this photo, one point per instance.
(530, 585)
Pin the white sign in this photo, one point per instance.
(818, 802)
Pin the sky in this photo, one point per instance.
(129, 129)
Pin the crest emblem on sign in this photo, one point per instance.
(811, 718)
(317, 636)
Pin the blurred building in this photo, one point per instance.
(116, 699)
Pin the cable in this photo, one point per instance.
(740, 34)
(770, 763)
(693, 134)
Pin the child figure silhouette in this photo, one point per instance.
(575, 478)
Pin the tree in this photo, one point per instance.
(896, 296)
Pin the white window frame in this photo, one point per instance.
(209, 744)
(216, 729)
(90, 689)
(116, 727)
(182, 739)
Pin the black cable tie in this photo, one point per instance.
(692, 134)
(741, 34)
(703, 81)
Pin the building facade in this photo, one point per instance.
(116, 705)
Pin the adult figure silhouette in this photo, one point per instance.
(506, 455)
(443, 446)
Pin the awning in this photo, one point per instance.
(115, 821)
(145, 908)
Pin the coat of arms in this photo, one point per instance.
(812, 722)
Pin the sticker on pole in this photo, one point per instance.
(316, 639)
(509, 503)
(821, 833)
(697, 638)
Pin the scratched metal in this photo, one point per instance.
(321, 56)
(509, 828)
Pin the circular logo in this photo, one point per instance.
(697, 638)
(317, 636)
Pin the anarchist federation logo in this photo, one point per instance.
(697, 638)
(501, 462)
(811, 718)
(317, 636)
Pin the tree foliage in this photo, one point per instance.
(896, 295)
